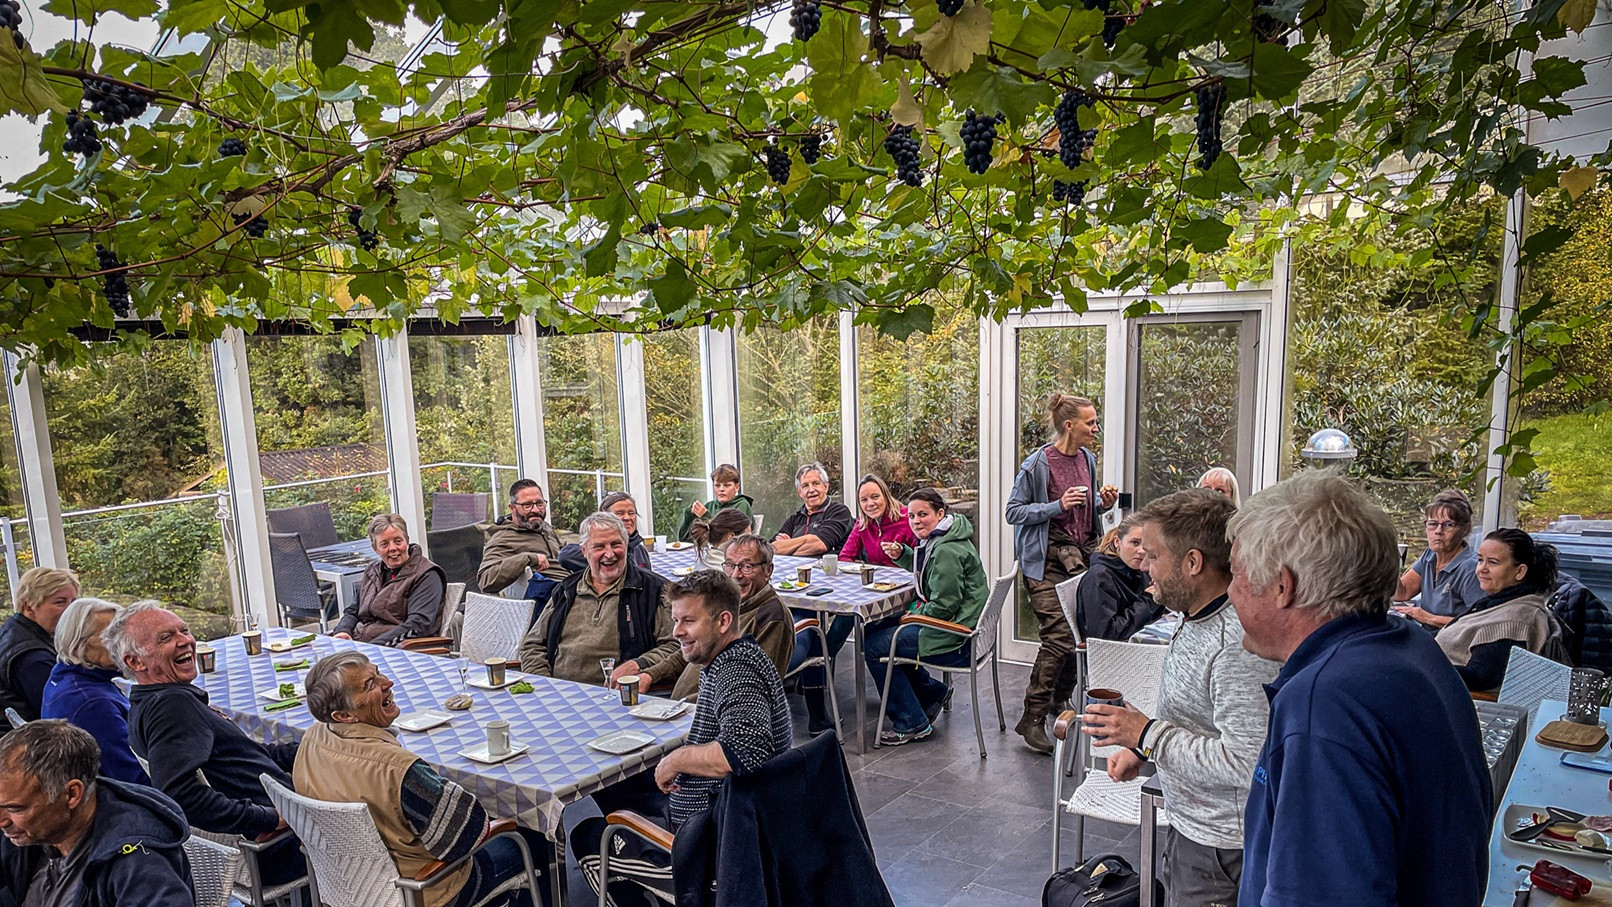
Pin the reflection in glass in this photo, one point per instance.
(789, 413)
(1188, 412)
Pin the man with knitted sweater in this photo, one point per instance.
(1212, 706)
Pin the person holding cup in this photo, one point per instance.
(1056, 510)
(350, 756)
(80, 689)
(1212, 709)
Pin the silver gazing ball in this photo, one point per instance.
(1330, 444)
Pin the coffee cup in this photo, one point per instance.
(254, 642)
(495, 671)
(868, 573)
(831, 564)
(1102, 696)
(660, 542)
(206, 659)
(629, 689)
(804, 574)
(497, 737)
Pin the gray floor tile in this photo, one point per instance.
(924, 879)
(977, 895)
(874, 791)
(908, 821)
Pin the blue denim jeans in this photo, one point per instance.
(500, 861)
(912, 689)
(806, 645)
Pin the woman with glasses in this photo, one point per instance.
(1444, 575)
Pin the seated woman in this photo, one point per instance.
(27, 638)
(952, 587)
(622, 505)
(80, 690)
(881, 520)
(1112, 601)
(1223, 480)
(1444, 576)
(400, 596)
(1515, 572)
(711, 537)
(725, 484)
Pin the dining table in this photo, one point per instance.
(846, 596)
(555, 723)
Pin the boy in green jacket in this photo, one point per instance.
(725, 482)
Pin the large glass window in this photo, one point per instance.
(14, 535)
(320, 431)
(581, 424)
(1189, 403)
(789, 413)
(676, 424)
(919, 399)
(464, 417)
(139, 467)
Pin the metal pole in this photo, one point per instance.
(11, 557)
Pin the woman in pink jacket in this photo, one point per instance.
(882, 519)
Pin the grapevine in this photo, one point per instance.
(904, 149)
(1210, 100)
(366, 238)
(811, 147)
(978, 134)
(256, 224)
(115, 286)
(11, 17)
(805, 17)
(1063, 192)
(949, 7)
(81, 138)
(778, 164)
(116, 104)
(1072, 140)
(231, 148)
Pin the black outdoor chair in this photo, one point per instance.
(311, 521)
(458, 553)
(297, 591)
(450, 510)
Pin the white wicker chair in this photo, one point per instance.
(982, 637)
(213, 869)
(1531, 679)
(1137, 670)
(451, 597)
(493, 626)
(1067, 599)
(351, 866)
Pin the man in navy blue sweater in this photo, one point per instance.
(172, 727)
(1372, 787)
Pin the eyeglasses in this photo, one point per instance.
(1444, 525)
(525, 505)
(731, 567)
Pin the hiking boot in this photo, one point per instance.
(944, 703)
(818, 721)
(1034, 732)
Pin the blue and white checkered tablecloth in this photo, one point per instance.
(557, 720)
(848, 597)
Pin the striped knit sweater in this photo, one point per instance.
(742, 708)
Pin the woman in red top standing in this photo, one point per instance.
(882, 520)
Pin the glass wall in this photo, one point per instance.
(1068, 360)
(464, 417)
(789, 413)
(139, 467)
(1189, 398)
(320, 431)
(13, 515)
(676, 405)
(581, 424)
(919, 419)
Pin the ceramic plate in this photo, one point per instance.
(478, 753)
(621, 742)
(789, 585)
(658, 710)
(423, 720)
(479, 680)
(298, 691)
(1519, 816)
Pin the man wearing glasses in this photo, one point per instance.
(761, 615)
(520, 541)
(1445, 575)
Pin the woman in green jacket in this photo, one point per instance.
(725, 483)
(951, 587)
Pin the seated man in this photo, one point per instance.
(762, 615)
(350, 756)
(609, 609)
(740, 721)
(820, 524)
(174, 730)
(73, 838)
(620, 505)
(1212, 709)
(522, 541)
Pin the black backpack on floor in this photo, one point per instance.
(1106, 880)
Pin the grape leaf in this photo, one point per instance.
(841, 80)
(23, 88)
(1576, 14)
(952, 43)
(1578, 180)
(906, 111)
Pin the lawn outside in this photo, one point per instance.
(1575, 453)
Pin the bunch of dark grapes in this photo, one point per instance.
(256, 224)
(1072, 140)
(649, 228)
(978, 134)
(11, 17)
(1064, 193)
(805, 17)
(904, 149)
(1210, 100)
(231, 148)
(115, 103)
(777, 164)
(949, 7)
(1112, 25)
(115, 286)
(1267, 28)
(366, 238)
(81, 138)
(811, 147)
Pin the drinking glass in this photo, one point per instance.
(606, 665)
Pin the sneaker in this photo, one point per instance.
(944, 703)
(897, 738)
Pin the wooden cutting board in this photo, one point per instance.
(1566, 735)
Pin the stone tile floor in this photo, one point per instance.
(948, 827)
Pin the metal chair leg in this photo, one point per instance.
(1057, 802)
(884, 694)
(996, 688)
(828, 681)
(974, 695)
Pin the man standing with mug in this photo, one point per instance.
(1056, 511)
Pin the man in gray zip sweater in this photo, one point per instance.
(1212, 706)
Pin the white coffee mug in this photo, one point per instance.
(831, 564)
(497, 737)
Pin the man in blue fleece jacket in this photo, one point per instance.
(74, 840)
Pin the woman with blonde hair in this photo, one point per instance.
(880, 518)
(1223, 480)
(1112, 601)
(27, 643)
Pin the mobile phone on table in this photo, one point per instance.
(820, 590)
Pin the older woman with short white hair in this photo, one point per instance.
(1224, 481)
(80, 689)
(400, 596)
